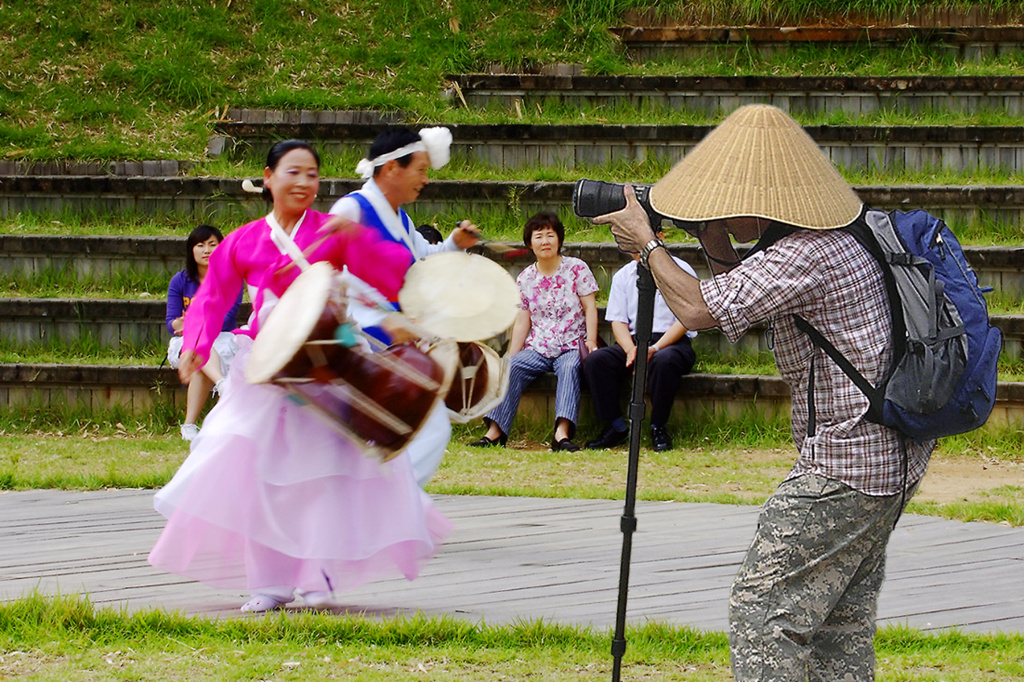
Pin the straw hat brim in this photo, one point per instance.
(757, 162)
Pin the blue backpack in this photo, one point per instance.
(942, 380)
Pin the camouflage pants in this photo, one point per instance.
(803, 604)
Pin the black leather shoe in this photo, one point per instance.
(609, 438)
(565, 445)
(486, 442)
(660, 439)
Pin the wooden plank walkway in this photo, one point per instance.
(522, 558)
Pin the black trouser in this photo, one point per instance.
(605, 371)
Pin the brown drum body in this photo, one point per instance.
(378, 400)
(479, 378)
(312, 354)
(466, 391)
(408, 400)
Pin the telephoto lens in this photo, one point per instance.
(591, 198)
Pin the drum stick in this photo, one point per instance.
(503, 251)
(248, 186)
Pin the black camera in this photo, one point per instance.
(591, 198)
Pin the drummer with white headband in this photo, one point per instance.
(395, 173)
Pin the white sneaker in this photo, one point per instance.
(218, 388)
(189, 431)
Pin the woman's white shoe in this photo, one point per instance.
(261, 603)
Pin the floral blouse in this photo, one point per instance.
(557, 320)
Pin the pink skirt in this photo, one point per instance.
(272, 496)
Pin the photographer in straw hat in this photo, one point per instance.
(803, 603)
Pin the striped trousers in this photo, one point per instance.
(524, 368)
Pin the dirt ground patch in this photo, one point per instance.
(953, 479)
(754, 472)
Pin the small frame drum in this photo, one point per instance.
(480, 381)
(307, 346)
(460, 296)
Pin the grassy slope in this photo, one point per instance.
(102, 79)
(97, 79)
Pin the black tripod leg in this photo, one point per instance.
(637, 407)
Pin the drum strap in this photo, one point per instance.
(286, 242)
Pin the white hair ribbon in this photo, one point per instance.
(436, 142)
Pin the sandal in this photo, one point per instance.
(486, 442)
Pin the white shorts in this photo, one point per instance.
(224, 345)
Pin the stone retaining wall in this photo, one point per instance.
(140, 389)
(154, 168)
(222, 200)
(511, 146)
(711, 95)
(112, 324)
(136, 389)
(26, 255)
(659, 43)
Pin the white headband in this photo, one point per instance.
(436, 142)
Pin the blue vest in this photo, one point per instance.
(371, 219)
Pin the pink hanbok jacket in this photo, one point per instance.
(249, 256)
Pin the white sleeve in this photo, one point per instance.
(686, 267)
(347, 207)
(617, 309)
(690, 271)
(426, 248)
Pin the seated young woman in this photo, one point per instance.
(198, 248)
(558, 316)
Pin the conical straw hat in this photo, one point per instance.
(757, 162)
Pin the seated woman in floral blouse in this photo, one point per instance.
(559, 315)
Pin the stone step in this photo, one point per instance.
(154, 168)
(138, 389)
(99, 257)
(711, 95)
(511, 146)
(937, 14)
(223, 201)
(660, 43)
(138, 324)
(109, 323)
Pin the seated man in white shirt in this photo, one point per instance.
(669, 356)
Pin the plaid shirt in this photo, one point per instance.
(835, 284)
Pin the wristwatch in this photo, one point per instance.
(645, 252)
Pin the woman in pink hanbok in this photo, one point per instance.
(271, 499)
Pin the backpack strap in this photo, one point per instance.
(862, 233)
(874, 397)
(772, 234)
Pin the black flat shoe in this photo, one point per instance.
(660, 439)
(486, 442)
(565, 445)
(609, 438)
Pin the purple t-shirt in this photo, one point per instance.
(179, 295)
